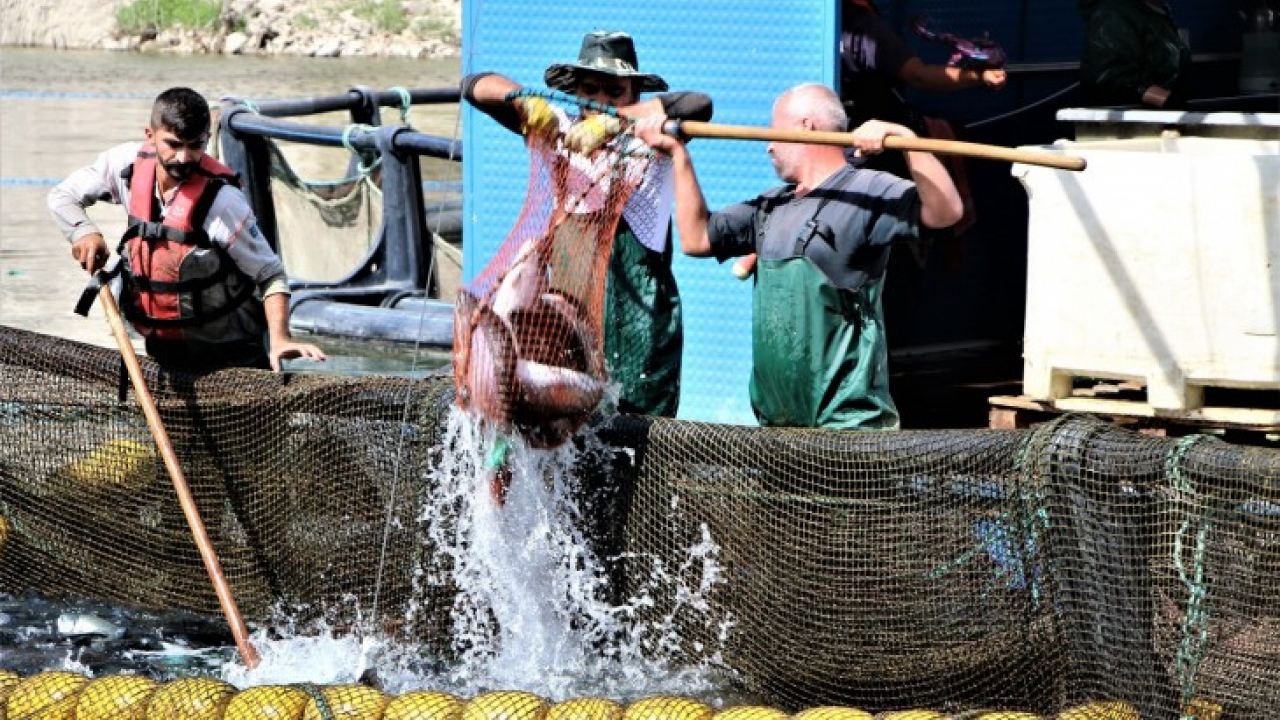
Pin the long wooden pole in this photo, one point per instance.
(696, 129)
(211, 563)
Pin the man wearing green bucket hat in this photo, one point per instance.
(643, 329)
(643, 333)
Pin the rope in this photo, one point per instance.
(1195, 623)
(346, 143)
(1024, 108)
(436, 242)
(1033, 520)
(562, 97)
(326, 712)
(406, 103)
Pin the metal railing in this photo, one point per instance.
(400, 263)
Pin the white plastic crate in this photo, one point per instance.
(1158, 263)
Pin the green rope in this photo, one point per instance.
(568, 99)
(1195, 624)
(346, 143)
(1030, 523)
(326, 712)
(562, 98)
(406, 103)
(498, 455)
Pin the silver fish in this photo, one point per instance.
(71, 624)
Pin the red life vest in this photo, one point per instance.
(160, 270)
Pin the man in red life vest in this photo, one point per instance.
(202, 286)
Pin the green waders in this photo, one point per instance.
(820, 354)
(643, 334)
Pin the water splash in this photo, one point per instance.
(322, 658)
(533, 609)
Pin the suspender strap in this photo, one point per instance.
(810, 228)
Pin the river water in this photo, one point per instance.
(59, 109)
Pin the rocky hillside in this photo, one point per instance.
(321, 28)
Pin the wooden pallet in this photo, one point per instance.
(1125, 403)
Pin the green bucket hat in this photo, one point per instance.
(612, 53)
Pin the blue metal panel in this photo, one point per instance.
(743, 54)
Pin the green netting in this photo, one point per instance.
(1076, 565)
(328, 230)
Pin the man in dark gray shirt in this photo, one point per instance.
(820, 358)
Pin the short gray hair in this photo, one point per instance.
(819, 102)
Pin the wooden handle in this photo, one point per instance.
(211, 563)
(695, 129)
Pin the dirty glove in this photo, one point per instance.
(536, 115)
(591, 132)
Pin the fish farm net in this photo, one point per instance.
(342, 217)
(1071, 566)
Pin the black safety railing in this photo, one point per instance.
(400, 263)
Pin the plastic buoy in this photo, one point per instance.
(424, 705)
(117, 697)
(831, 712)
(1110, 710)
(668, 708)
(123, 464)
(585, 709)
(49, 696)
(915, 714)
(267, 702)
(751, 712)
(196, 698)
(347, 702)
(506, 705)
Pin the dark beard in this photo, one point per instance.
(180, 171)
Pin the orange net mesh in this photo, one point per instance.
(528, 351)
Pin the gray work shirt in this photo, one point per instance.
(856, 214)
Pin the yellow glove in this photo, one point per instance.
(591, 132)
(536, 113)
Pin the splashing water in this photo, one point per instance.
(531, 611)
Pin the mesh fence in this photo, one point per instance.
(1077, 570)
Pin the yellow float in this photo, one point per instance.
(47, 696)
(347, 702)
(424, 705)
(196, 698)
(506, 705)
(267, 702)
(833, 713)
(118, 697)
(668, 708)
(586, 709)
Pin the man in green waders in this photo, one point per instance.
(643, 332)
(820, 357)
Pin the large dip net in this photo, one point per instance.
(528, 345)
(1075, 565)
